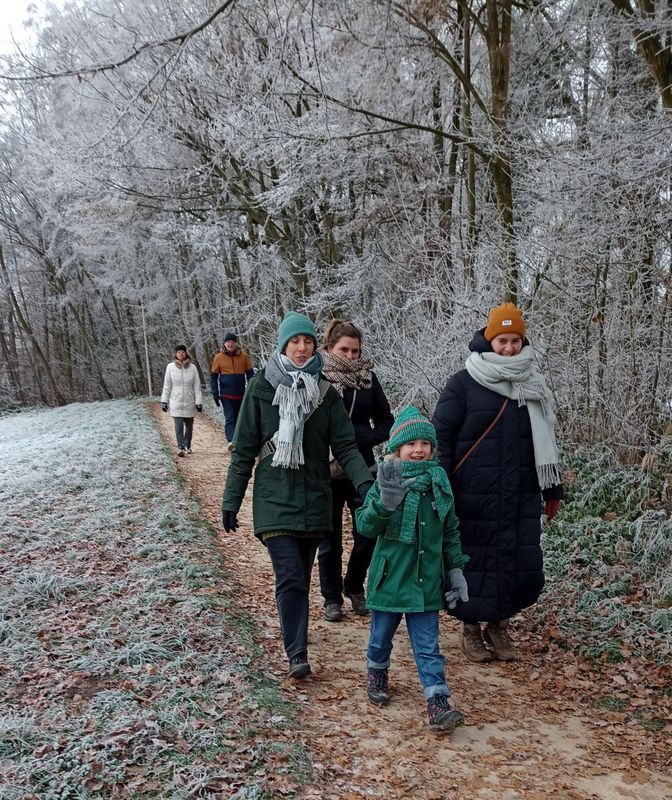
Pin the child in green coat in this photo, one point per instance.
(409, 510)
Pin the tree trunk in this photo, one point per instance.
(27, 329)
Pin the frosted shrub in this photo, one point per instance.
(608, 558)
(661, 620)
(653, 538)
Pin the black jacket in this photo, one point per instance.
(371, 406)
(497, 496)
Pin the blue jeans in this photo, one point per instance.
(230, 408)
(292, 558)
(423, 631)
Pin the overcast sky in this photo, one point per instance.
(13, 13)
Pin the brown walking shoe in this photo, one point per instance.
(472, 644)
(497, 636)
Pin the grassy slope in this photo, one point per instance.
(126, 669)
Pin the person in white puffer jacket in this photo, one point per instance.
(182, 395)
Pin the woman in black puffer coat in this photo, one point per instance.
(367, 406)
(499, 484)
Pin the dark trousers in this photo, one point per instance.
(230, 407)
(292, 560)
(184, 427)
(330, 556)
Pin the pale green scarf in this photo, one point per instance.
(297, 394)
(428, 475)
(518, 378)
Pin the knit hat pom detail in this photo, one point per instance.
(410, 425)
(507, 318)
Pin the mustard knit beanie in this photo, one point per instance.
(506, 318)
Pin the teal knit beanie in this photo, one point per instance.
(411, 424)
(295, 324)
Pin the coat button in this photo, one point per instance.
(422, 523)
(421, 580)
(421, 552)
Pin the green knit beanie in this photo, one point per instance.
(411, 424)
(295, 324)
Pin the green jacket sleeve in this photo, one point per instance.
(247, 446)
(372, 517)
(342, 441)
(453, 557)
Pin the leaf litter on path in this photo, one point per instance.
(534, 728)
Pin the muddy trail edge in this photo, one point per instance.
(532, 728)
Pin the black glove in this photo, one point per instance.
(164, 406)
(363, 489)
(216, 399)
(229, 521)
(199, 408)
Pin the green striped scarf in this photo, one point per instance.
(428, 475)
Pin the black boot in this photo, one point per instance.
(299, 666)
(376, 686)
(441, 716)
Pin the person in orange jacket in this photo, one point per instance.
(231, 370)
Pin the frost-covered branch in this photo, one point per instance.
(92, 69)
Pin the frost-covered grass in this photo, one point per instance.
(127, 671)
(608, 559)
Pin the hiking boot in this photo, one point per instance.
(441, 716)
(472, 644)
(376, 686)
(180, 452)
(358, 603)
(497, 636)
(299, 666)
(188, 451)
(333, 612)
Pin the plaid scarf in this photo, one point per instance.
(346, 374)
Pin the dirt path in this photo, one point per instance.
(533, 730)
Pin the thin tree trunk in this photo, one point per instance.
(27, 329)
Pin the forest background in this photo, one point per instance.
(171, 171)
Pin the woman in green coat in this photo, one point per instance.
(289, 420)
(410, 513)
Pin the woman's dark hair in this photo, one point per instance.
(338, 328)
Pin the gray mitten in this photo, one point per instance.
(458, 588)
(393, 487)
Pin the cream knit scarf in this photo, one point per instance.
(518, 378)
